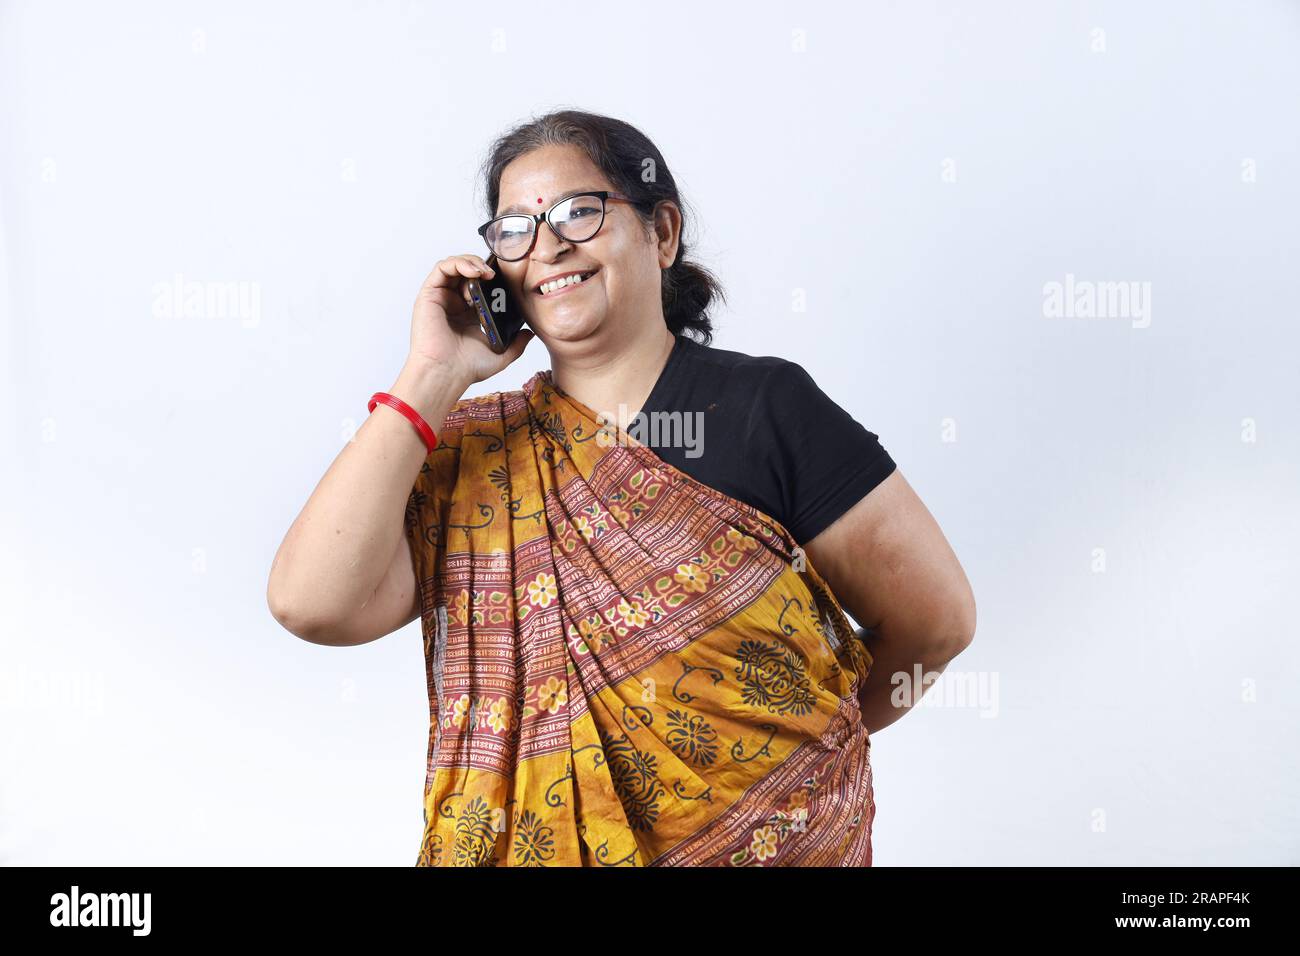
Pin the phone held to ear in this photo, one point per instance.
(499, 316)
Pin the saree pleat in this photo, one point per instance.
(626, 667)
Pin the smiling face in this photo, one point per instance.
(624, 262)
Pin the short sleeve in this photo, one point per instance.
(820, 460)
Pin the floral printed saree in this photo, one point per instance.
(625, 666)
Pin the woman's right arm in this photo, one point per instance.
(343, 574)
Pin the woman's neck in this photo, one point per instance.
(624, 375)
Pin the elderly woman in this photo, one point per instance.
(636, 646)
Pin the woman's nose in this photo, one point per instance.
(548, 243)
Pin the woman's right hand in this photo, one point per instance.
(445, 329)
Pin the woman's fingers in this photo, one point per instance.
(453, 269)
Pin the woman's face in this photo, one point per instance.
(627, 262)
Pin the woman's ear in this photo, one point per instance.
(668, 231)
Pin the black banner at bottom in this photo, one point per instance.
(651, 907)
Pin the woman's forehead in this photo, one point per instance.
(544, 202)
(544, 176)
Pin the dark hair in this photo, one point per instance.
(636, 168)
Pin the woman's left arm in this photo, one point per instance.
(892, 569)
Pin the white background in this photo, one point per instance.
(153, 712)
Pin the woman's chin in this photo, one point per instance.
(565, 326)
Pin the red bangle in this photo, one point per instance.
(421, 426)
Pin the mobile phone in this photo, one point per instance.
(499, 316)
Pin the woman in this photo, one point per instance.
(636, 651)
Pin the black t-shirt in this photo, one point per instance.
(764, 434)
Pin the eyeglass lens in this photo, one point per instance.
(575, 219)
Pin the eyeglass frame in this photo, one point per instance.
(538, 218)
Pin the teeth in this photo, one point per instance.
(547, 287)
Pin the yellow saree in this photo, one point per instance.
(625, 666)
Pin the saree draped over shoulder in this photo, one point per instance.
(625, 667)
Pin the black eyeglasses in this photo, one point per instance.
(575, 219)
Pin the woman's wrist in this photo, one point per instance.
(431, 388)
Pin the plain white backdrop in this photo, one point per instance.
(886, 190)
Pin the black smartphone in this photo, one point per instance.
(499, 315)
